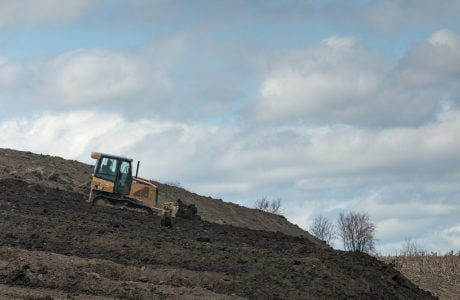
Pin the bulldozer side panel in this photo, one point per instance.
(144, 192)
(102, 185)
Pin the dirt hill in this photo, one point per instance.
(53, 245)
(74, 176)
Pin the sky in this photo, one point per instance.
(330, 106)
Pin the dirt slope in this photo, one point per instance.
(221, 212)
(439, 274)
(51, 171)
(53, 245)
(71, 175)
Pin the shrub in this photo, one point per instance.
(271, 206)
(356, 232)
(323, 229)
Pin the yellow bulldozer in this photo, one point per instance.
(112, 184)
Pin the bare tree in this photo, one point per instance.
(411, 248)
(323, 229)
(262, 204)
(275, 206)
(271, 206)
(356, 232)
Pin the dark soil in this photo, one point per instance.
(74, 176)
(54, 244)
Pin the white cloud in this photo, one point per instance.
(32, 12)
(444, 37)
(336, 76)
(67, 135)
(79, 78)
(150, 81)
(453, 235)
(339, 150)
(75, 134)
(310, 157)
(91, 76)
(397, 229)
(433, 63)
(341, 81)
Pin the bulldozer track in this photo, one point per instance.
(103, 200)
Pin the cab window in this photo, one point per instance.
(124, 180)
(107, 169)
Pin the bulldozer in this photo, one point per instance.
(112, 184)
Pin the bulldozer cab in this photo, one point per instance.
(116, 170)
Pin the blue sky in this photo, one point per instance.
(328, 105)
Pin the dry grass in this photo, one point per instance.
(439, 274)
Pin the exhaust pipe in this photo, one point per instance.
(137, 169)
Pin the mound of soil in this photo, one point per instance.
(54, 244)
(51, 171)
(74, 176)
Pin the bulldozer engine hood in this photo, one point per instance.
(143, 181)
